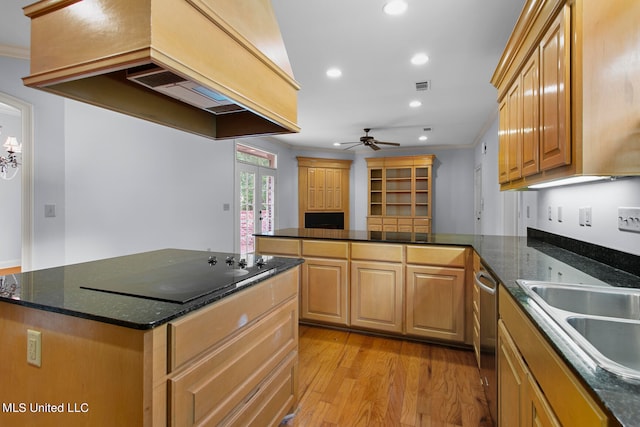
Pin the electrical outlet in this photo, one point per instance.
(34, 347)
(550, 217)
(587, 216)
(629, 219)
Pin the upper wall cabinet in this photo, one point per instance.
(566, 84)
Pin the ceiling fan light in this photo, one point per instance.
(337, 144)
(419, 59)
(395, 7)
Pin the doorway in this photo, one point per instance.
(478, 201)
(255, 196)
(23, 203)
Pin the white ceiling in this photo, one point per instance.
(463, 38)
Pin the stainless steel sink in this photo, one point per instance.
(604, 322)
(614, 340)
(608, 302)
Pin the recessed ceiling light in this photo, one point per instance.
(395, 7)
(415, 104)
(423, 138)
(419, 59)
(337, 144)
(334, 72)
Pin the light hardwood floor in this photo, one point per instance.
(350, 379)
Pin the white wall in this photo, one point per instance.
(604, 198)
(134, 186)
(48, 167)
(499, 215)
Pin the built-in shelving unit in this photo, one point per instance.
(400, 194)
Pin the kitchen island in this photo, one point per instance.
(169, 337)
(510, 259)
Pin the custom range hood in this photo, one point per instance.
(216, 68)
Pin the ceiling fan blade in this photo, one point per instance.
(388, 143)
(373, 146)
(353, 144)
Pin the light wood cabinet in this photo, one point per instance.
(377, 295)
(405, 290)
(536, 387)
(252, 351)
(527, 405)
(324, 289)
(566, 120)
(475, 310)
(533, 126)
(435, 292)
(323, 186)
(555, 91)
(232, 362)
(435, 302)
(400, 193)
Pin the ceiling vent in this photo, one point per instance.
(421, 86)
(428, 129)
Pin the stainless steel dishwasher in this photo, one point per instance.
(488, 336)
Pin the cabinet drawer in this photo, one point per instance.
(421, 222)
(242, 364)
(437, 255)
(221, 319)
(274, 246)
(269, 405)
(374, 221)
(376, 252)
(325, 249)
(405, 221)
(389, 221)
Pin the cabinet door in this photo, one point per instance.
(530, 119)
(435, 302)
(333, 189)
(315, 188)
(503, 141)
(511, 381)
(324, 291)
(555, 103)
(514, 134)
(539, 413)
(376, 295)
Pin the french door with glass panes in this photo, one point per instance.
(255, 189)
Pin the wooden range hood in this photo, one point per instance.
(222, 62)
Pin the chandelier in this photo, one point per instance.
(10, 162)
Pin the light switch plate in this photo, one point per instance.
(629, 219)
(49, 211)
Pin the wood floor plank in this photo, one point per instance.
(351, 379)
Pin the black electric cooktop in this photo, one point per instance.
(192, 279)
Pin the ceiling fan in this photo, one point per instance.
(369, 141)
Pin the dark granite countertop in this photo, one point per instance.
(61, 289)
(512, 258)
